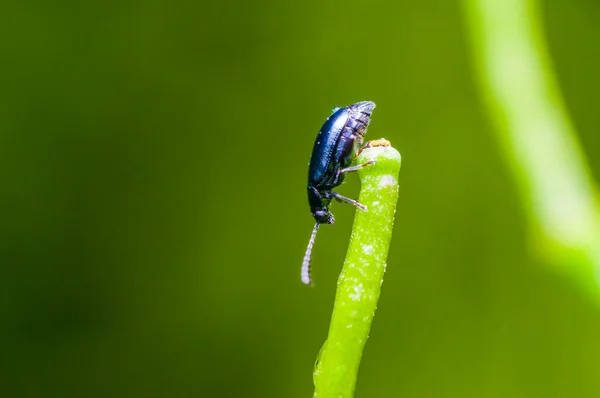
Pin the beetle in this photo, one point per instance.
(337, 144)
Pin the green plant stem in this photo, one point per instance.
(359, 283)
(538, 139)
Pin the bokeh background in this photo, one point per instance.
(153, 160)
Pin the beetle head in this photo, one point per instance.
(322, 215)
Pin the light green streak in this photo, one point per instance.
(537, 137)
(360, 281)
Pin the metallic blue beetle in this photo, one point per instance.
(336, 146)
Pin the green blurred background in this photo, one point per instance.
(153, 160)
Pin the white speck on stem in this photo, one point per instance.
(367, 249)
(387, 181)
(358, 291)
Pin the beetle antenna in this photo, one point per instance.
(305, 273)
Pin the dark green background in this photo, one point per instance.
(153, 160)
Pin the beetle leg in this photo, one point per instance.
(355, 168)
(341, 198)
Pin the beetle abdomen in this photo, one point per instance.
(337, 142)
